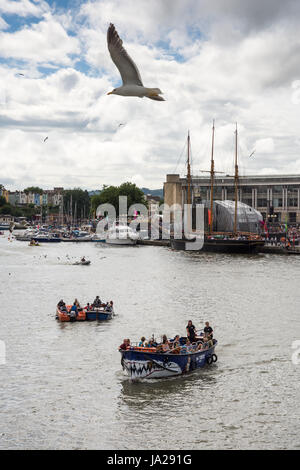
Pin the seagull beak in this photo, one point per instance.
(110, 93)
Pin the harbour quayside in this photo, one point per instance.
(169, 358)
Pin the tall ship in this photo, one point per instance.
(230, 226)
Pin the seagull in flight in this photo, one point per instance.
(46, 138)
(251, 154)
(132, 82)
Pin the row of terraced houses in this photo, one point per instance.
(50, 197)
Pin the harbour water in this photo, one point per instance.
(62, 386)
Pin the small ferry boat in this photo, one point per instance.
(65, 314)
(148, 363)
(99, 314)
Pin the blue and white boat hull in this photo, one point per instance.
(145, 365)
(93, 315)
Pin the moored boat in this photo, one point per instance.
(121, 235)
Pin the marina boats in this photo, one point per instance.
(147, 363)
(121, 235)
(97, 238)
(38, 236)
(78, 236)
(5, 225)
(231, 213)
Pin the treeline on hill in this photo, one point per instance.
(110, 195)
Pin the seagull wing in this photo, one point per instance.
(127, 68)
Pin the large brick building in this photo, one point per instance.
(277, 197)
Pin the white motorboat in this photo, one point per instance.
(121, 235)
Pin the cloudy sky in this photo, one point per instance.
(228, 60)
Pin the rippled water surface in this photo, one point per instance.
(62, 386)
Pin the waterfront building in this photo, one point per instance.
(4, 193)
(37, 199)
(153, 204)
(45, 199)
(276, 197)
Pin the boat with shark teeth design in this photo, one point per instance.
(145, 363)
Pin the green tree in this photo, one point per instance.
(33, 189)
(110, 195)
(2, 201)
(80, 203)
(6, 209)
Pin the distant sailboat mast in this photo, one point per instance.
(236, 182)
(212, 175)
(189, 198)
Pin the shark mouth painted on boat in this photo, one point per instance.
(142, 369)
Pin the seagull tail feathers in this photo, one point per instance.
(153, 94)
(156, 98)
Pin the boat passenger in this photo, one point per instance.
(208, 330)
(165, 344)
(76, 302)
(142, 342)
(97, 302)
(175, 342)
(87, 307)
(208, 341)
(124, 344)
(83, 259)
(74, 309)
(191, 331)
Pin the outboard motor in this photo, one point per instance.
(72, 316)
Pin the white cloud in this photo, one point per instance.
(23, 7)
(246, 73)
(46, 41)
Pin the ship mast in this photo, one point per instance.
(189, 199)
(212, 175)
(236, 181)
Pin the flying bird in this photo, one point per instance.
(46, 138)
(251, 154)
(22, 74)
(132, 82)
